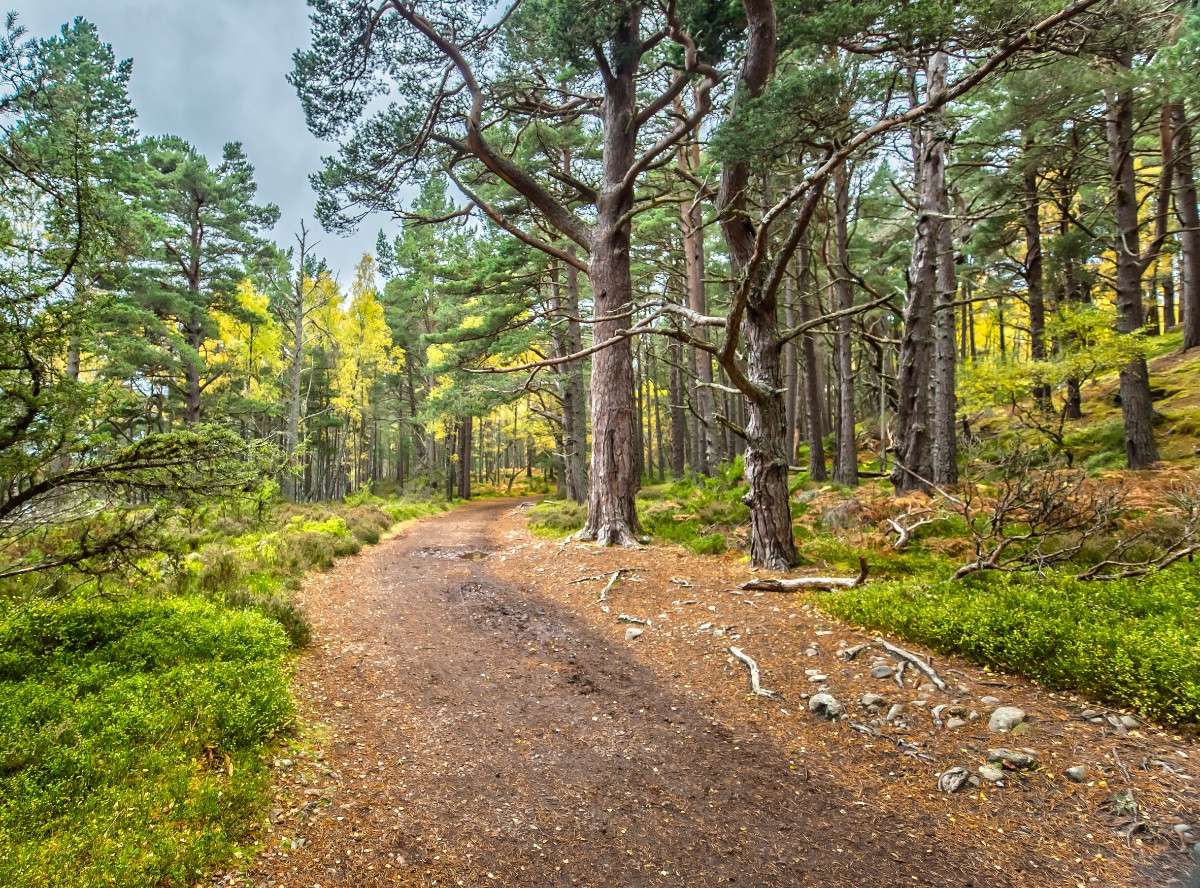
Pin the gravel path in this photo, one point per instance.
(481, 720)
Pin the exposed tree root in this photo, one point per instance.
(911, 658)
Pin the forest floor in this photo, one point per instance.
(477, 716)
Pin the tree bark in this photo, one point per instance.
(772, 544)
(1032, 224)
(1136, 407)
(678, 414)
(465, 440)
(945, 367)
(914, 457)
(692, 221)
(811, 382)
(845, 467)
(612, 515)
(1189, 219)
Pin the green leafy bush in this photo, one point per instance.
(130, 737)
(1127, 642)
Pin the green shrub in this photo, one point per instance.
(278, 607)
(120, 725)
(1127, 642)
(556, 517)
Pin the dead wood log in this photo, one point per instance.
(911, 658)
(796, 584)
(756, 687)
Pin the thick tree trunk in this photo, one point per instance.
(914, 457)
(771, 542)
(945, 367)
(1189, 220)
(1136, 408)
(845, 466)
(612, 515)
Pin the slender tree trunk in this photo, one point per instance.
(678, 415)
(1032, 223)
(1189, 220)
(571, 390)
(1168, 286)
(1136, 407)
(465, 439)
(692, 221)
(814, 428)
(845, 467)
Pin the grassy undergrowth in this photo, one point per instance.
(134, 722)
(1132, 643)
(705, 515)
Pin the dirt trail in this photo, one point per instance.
(486, 722)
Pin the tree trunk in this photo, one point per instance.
(1136, 407)
(678, 414)
(612, 516)
(571, 393)
(944, 409)
(1032, 224)
(811, 380)
(845, 467)
(1189, 219)
(914, 457)
(465, 440)
(692, 220)
(771, 542)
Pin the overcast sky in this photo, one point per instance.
(212, 71)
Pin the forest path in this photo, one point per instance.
(485, 722)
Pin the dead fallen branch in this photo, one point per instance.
(915, 661)
(850, 653)
(905, 530)
(628, 618)
(616, 575)
(796, 584)
(756, 687)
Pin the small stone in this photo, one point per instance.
(991, 773)
(990, 701)
(826, 705)
(633, 632)
(894, 712)
(1012, 759)
(873, 701)
(812, 652)
(1005, 718)
(818, 677)
(882, 672)
(1130, 723)
(920, 702)
(953, 779)
(927, 687)
(956, 723)
(1077, 774)
(1089, 714)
